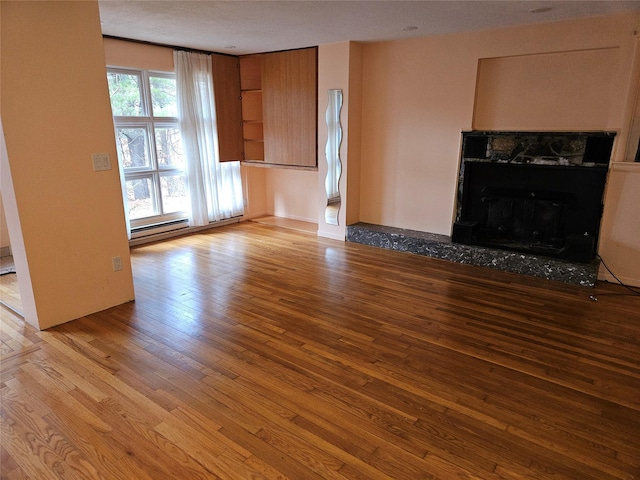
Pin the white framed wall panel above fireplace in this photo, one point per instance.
(570, 91)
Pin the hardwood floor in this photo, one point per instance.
(255, 352)
(9, 294)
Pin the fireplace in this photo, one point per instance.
(533, 192)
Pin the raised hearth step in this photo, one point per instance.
(441, 246)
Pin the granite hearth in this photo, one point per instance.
(441, 246)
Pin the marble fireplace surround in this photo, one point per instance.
(533, 192)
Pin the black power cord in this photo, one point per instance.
(633, 290)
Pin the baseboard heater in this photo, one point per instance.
(154, 229)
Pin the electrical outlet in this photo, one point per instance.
(117, 263)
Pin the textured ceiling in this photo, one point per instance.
(241, 27)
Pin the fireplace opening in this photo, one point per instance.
(533, 192)
(519, 219)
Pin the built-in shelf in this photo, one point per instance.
(251, 91)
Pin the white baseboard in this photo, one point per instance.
(332, 235)
(295, 217)
(256, 215)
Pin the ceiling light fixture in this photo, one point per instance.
(409, 29)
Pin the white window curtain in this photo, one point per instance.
(125, 200)
(215, 188)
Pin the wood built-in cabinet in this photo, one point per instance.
(226, 81)
(279, 107)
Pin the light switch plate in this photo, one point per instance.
(101, 162)
(117, 263)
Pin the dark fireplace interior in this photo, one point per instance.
(533, 192)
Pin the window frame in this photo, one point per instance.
(154, 171)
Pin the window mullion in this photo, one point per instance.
(157, 190)
(153, 146)
(149, 113)
(146, 94)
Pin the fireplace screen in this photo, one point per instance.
(524, 220)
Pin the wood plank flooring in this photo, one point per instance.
(9, 294)
(255, 352)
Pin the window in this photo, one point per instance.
(149, 145)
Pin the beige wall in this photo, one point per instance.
(291, 193)
(548, 91)
(354, 144)
(333, 73)
(620, 232)
(120, 53)
(55, 112)
(632, 108)
(340, 67)
(254, 191)
(419, 94)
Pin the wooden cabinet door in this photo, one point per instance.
(226, 88)
(289, 99)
